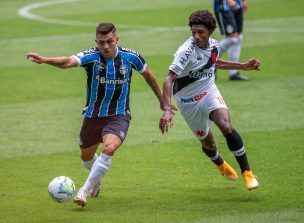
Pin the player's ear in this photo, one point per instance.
(210, 32)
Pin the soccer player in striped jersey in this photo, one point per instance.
(229, 15)
(191, 78)
(107, 110)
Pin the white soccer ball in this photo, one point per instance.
(61, 189)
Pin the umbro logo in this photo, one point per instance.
(199, 58)
(122, 134)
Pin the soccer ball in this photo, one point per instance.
(61, 189)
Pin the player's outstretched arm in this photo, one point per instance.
(252, 64)
(61, 62)
(166, 119)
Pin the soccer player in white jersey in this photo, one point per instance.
(191, 77)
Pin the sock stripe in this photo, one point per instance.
(215, 157)
(239, 152)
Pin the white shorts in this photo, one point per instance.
(196, 110)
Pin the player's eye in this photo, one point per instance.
(110, 41)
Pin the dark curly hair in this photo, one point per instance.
(203, 17)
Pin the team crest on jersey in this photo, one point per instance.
(213, 57)
(123, 69)
(100, 67)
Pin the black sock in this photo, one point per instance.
(236, 146)
(214, 156)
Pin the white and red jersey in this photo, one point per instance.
(194, 89)
(195, 69)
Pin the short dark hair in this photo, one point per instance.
(105, 28)
(203, 17)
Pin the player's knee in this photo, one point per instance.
(109, 148)
(226, 127)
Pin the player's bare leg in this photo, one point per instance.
(209, 148)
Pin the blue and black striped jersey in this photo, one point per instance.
(108, 81)
(222, 5)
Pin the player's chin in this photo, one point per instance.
(199, 44)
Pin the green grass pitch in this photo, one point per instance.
(153, 177)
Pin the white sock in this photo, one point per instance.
(98, 170)
(226, 43)
(234, 52)
(88, 164)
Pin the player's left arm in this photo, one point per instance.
(152, 82)
(252, 64)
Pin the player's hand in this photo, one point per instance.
(231, 4)
(165, 121)
(173, 108)
(245, 6)
(35, 57)
(252, 64)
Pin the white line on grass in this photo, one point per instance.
(129, 32)
(25, 13)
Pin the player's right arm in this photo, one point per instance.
(167, 117)
(61, 62)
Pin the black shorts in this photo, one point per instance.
(230, 22)
(93, 129)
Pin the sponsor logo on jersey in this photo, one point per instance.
(193, 99)
(88, 51)
(130, 50)
(202, 73)
(104, 80)
(187, 55)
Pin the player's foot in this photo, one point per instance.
(250, 180)
(227, 171)
(238, 77)
(81, 197)
(96, 190)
